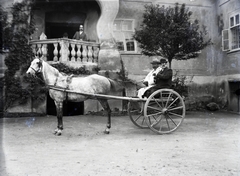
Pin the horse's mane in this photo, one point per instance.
(55, 71)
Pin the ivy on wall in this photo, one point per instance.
(19, 88)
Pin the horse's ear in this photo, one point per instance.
(41, 58)
(40, 62)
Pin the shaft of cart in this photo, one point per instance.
(98, 96)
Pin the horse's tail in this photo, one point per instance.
(116, 85)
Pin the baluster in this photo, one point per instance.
(34, 48)
(55, 52)
(44, 51)
(39, 49)
(95, 53)
(78, 52)
(90, 54)
(84, 53)
(64, 51)
(73, 52)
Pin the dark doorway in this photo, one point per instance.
(69, 108)
(234, 96)
(56, 30)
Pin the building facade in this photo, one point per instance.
(213, 76)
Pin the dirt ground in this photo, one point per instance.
(206, 144)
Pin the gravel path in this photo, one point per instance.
(206, 144)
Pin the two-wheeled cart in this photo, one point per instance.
(163, 111)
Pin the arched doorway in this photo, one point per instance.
(57, 17)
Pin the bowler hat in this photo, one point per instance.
(163, 61)
(155, 61)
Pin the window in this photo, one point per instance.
(231, 36)
(123, 30)
(225, 40)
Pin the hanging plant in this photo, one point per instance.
(70, 70)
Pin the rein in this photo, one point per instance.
(54, 85)
(36, 71)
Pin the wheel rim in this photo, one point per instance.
(135, 112)
(164, 111)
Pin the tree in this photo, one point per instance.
(170, 33)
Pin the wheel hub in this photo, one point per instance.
(164, 110)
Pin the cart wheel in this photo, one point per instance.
(135, 112)
(164, 111)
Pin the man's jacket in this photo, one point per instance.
(164, 78)
(79, 36)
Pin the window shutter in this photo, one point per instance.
(225, 40)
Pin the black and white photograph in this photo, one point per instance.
(120, 87)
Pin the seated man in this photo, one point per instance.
(162, 78)
(149, 79)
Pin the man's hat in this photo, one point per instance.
(163, 61)
(155, 61)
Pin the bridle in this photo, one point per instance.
(39, 67)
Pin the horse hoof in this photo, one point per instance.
(55, 131)
(58, 134)
(107, 131)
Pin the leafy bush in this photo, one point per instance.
(16, 37)
(179, 84)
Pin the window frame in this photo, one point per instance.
(123, 32)
(234, 24)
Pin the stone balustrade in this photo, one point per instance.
(66, 50)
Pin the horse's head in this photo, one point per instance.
(35, 67)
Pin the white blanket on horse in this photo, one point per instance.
(143, 90)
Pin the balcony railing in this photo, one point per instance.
(67, 50)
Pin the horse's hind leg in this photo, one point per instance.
(106, 107)
(59, 106)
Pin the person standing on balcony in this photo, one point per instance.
(65, 35)
(80, 35)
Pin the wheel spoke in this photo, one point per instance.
(137, 118)
(175, 114)
(179, 107)
(167, 124)
(157, 102)
(135, 111)
(157, 121)
(173, 102)
(151, 107)
(158, 113)
(168, 99)
(161, 98)
(143, 120)
(171, 119)
(160, 126)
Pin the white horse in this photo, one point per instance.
(92, 84)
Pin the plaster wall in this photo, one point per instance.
(227, 62)
(91, 24)
(209, 74)
(203, 11)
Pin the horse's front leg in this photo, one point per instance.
(59, 107)
(106, 107)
